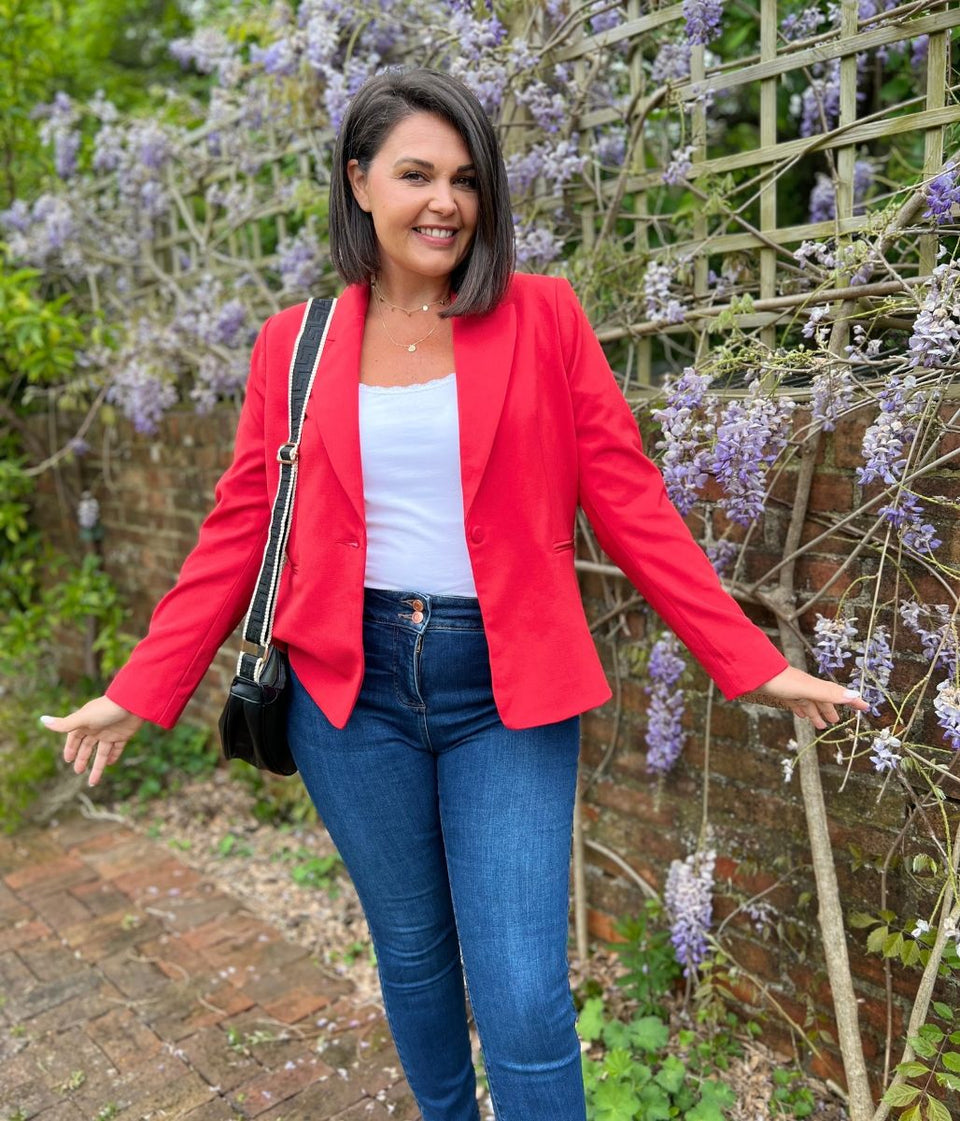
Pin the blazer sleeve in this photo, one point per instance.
(623, 494)
(213, 590)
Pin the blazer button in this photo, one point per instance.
(477, 535)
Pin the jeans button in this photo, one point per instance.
(417, 604)
(417, 616)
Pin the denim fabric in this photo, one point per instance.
(456, 832)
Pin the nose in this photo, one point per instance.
(443, 201)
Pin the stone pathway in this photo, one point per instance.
(132, 989)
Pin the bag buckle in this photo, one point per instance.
(288, 454)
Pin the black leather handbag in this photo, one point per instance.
(253, 724)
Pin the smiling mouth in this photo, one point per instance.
(435, 231)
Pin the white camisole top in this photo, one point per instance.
(413, 497)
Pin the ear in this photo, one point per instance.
(358, 184)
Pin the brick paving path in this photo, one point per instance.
(131, 988)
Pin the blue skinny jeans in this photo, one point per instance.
(456, 833)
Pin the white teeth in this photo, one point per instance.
(433, 231)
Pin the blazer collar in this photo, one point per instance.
(483, 356)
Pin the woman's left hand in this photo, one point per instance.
(807, 696)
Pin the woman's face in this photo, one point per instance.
(420, 190)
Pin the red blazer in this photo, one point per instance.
(543, 426)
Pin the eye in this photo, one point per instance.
(411, 176)
(467, 181)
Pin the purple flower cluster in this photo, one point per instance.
(43, 234)
(886, 441)
(608, 14)
(802, 24)
(943, 194)
(208, 51)
(906, 514)
(299, 262)
(536, 245)
(883, 752)
(946, 704)
(833, 393)
(702, 19)
(688, 897)
(875, 663)
(935, 340)
(548, 107)
(60, 129)
(936, 628)
(751, 433)
(722, 554)
(554, 162)
(679, 167)
(834, 642)
(661, 305)
(664, 736)
(687, 432)
(823, 197)
(672, 64)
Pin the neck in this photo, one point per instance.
(412, 294)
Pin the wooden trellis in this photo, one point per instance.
(768, 244)
(199, 238)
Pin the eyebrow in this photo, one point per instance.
(429, 166)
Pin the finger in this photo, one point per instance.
(829, 712)
(72, 745)
(84, 751)
(103, 757)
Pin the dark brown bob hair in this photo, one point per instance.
(481, 278)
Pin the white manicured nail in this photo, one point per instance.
(46, 719)
(852, 695)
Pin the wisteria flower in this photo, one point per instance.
(834, 640)
(661, 304)
(702, 19)
(688, 896)
(751, 433)
(943, 194)
(886, 441)
(664, 735)
(875, 663)
(921, 927)
(687, 432)
(679, 166)
(946, 704)
(883, 752)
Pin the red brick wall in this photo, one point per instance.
(157, 490)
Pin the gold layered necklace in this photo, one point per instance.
(409, 347)
(407, 311)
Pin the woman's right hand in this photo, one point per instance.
(100, 724)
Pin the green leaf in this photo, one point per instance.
(932, 1033)
(912, 1070)
(909, 952)
(715, 1098)
(892, 944)
(950, 1081)
(898, 1094)
(616, 1035)
(617, 1062)
(876, 938)
(937, 1111)
(951, 1060)
(614, 1101)
(649, 1033)
(954, 1037)
(923, 1047)
(654, 1103)
(590, 1022)
(912, 1114)
(672, 1074)
(944, 1011)
(860, 920)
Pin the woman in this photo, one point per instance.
(439, 652)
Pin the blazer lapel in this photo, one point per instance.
(335, 400)
(483, 357)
